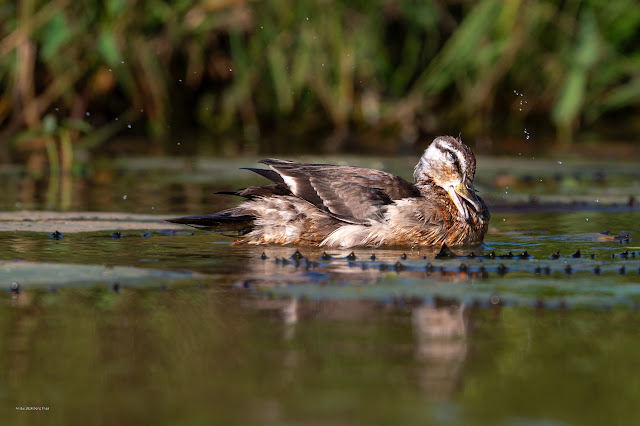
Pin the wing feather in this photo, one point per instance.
(352, 194)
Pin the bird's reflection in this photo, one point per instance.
(440, 332)
(439, 328)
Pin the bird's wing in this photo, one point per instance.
(352, 194)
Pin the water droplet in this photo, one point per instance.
(323, 65)
(587, 219)
(307, 19)
(178, 143)
(57, 109)
(180, 81)
(117, 118)
(559, 162)
(88, 114)
(122, 62)
(528, 137)
(504, 220)
(230, 69)
(110, 70)
(129, 125)
(124, 197)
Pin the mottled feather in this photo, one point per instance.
(345, 206)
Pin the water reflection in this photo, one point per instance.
(441, 347)
(439, 334)
(208, 353)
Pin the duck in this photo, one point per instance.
(338, 206)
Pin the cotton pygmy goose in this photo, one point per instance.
(344, 206)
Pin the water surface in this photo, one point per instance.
(538, 328)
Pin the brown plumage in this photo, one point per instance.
(344, 206)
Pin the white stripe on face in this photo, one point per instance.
(445, 145)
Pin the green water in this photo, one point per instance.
(328, 339)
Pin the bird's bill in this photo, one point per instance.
(459, 193)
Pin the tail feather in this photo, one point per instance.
(219, 222)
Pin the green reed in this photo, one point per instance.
(251, 69)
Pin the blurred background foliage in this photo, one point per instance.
(241, 76)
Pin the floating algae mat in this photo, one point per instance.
(23, 275)
(549, 259)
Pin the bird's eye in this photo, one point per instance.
(452, 156)
(468, 186)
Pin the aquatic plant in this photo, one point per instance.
(154, 69)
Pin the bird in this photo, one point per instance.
(339, 206)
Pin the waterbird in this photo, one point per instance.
(345, 206)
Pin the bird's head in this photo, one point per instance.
(451, 165)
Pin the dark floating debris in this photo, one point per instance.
(524, 255)
(555, 255)
(568, 270)
(491, 255)
(115, 235)
(115, 287)
(372, 258)
(398, 266)
(507, 256)
(592, 256)
(351, 256)
(596, 270)
(502, 270)
(607, 232)
(537, 271)
(547, 270)
(56, 235)
(444, 252)
(263, 256)
(297, 255)
(404, 256)
(325, 256)
(577, 254)
(145, 235)
(384, 267)
(429, 268)
(463, 268)
(622, 270)
(623, 237)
